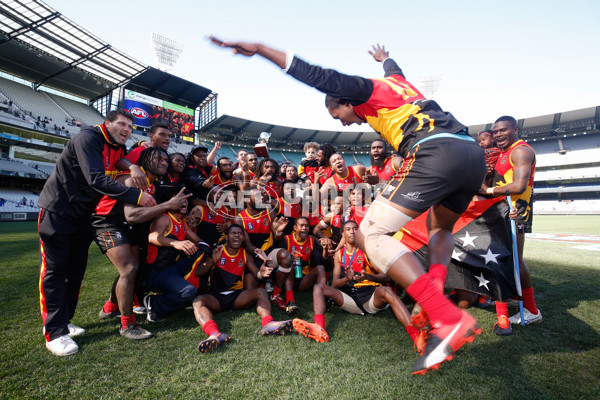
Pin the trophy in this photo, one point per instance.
(260, 148)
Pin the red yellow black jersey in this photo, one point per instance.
(219, 181)
(111, 209)
(327, 173)
(258, 228)
(336, 228)
(357, 260)
(303, 250)
(84, 173)
(160, 257)
(391, 105)
(228, 273)
(352, 178)
(208, 226)
(385, 172)
(357, 214)
(308, 168)
(273, 189)
(504, 176)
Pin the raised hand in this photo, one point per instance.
(379, 53)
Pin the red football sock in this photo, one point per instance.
(125, 321)
(529, 300)
(426, 292)
(412, 332)
(266, 320)
(210, 327)
(439, 273)
(289, 296)
(501, 309)
(320, 320)
(110, 307)
(276, 291)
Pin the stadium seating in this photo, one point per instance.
(13, 167)
(29, 100)
(78, 111)
(566, 207)
(12, 200)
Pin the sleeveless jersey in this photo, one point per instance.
(160, 257)
(302, 250)
(504, 176)
(222, 182)
(259, 229)
(358, 262)
(386, 171)
(109, 209)
(327, 173)
(357, 214)
(228, 273)
(352, 178)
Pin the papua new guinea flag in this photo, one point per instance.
(482, 256)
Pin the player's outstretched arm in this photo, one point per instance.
(277, 57)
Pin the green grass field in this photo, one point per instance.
(367, 358)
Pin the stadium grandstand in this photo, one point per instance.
(56, 77)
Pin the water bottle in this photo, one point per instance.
(297, 266)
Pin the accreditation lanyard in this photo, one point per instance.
(351, 259)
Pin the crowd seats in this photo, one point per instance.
(13, 167)
(570, 173)
(566, 207)
(13, 200)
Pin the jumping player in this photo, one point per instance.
(436, 150)
(229, 264)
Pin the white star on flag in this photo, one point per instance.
(482, 281)
(468, 240)
(489, 256)
(457, 255)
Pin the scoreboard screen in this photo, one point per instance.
(146, 109)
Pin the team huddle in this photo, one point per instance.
(216, 234)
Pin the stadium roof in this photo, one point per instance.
(227, 127)
(157, 83)
(40, 45)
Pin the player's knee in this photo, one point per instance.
(284, 258)
(187, 293)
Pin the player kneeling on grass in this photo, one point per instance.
(173, 251)
(356, 289)
(228, 264)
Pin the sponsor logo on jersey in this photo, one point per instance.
(223, 261)
(250, 226)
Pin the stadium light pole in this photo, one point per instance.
(166, 51)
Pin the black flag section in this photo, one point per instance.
(482, 256)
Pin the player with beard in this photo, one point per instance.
(436, 149)
(197, 173)
(224, 174)
(383, 165)
(323, 155)
(268, 177)
(230, 265)
(514, 173)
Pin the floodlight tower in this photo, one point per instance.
(166, 51)
(428, 85)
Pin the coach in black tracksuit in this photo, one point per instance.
(83, 173)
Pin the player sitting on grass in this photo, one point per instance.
(355, 292)
(228, 264)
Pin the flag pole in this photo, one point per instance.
(513, 230)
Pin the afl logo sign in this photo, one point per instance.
(138, 113)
